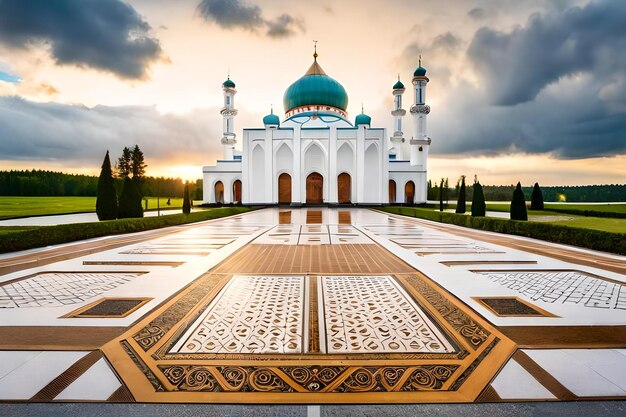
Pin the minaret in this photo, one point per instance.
(420, 142)
(398, 112)
(229, 112)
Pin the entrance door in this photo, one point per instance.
(284, 188)
(219, 192)
(409, 192)
(392, 192)
(314, 188)
(237, 192)
(344, 188)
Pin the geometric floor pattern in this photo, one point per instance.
(313, 306)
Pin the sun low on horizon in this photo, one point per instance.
(528, 90)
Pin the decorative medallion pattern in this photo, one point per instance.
(252, 314)
(374, 314)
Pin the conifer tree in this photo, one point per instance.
(186, 200)
(460, 204)
(478, 200)
(536, 200)
(130, 201)
(518, 204)
(441, 196)
(106, 202)
(124, 162)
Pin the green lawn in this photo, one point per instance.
(596, 223)
(607, 208)
(37, 206)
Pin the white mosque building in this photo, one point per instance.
(316, 155)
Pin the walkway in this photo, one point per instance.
(312, 306)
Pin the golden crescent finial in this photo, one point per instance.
(315, 50)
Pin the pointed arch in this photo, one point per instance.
(314, 188)
(284, 188)
(344, 188)
(392, 192)
(345, 158)
(409, 192)
(219, 192)
(237, 191)
(372, 175)
(257, 174)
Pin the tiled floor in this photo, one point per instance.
(319, 290)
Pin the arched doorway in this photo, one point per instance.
(219, 192)
(284, 188)
(314, 188)
(392, 192)
(344, 188)
(237, 191)
(409, 192)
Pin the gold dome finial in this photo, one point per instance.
(420, 60)
(362, 109)
(315, 50)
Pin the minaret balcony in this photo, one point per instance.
(398, 112)
(420, 108)
(228, 111)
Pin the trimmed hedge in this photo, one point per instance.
(63, 233)
(588, 213)
(585, 238)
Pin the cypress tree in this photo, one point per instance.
(130, 201)
(518, 204)
(536, 201)
(124, 163)
(137, 168)
(460, 204)
(106, 202)
(441, 196)
(186, 200)
(478, 201)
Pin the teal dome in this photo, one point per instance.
(420, 72)
(398, 85)
(315, 88)
(228, 83)
(271, 119)
(363, 119)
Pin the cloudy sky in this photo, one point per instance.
(521, 90)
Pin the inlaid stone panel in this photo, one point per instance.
(55, 289)
(252, 314)
(373, 314)
(568, 287)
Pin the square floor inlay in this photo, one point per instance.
(512, 307)
(373, 314)
(251, 314)
(109, 308)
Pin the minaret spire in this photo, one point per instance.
(315, 50)
(398, 113)
(228, 112)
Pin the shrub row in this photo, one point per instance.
(588, 213)
(63, 233)
(585, 238)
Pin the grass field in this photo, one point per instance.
(572, 220)
(11, 207)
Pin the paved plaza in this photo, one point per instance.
(312, 306)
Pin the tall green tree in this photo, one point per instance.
(518, 204)
(186, 200)
(137, 164)
(460, 204)
(479, 207)
(124, 163)
(536, 200)
(441, 196)
(130, 201)
(106, 201)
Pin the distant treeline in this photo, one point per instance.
(572, 194)
(37, 183)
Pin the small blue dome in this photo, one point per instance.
(228, 83)
(271, 119)
(398, 85)
(362, 119)
(420, 72)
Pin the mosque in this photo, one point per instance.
(316, 155)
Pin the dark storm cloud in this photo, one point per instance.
(76, 134)
(283, 26)
(517, 65)
(231, 13)
(235, 14)
(107, 35)
(477, 13)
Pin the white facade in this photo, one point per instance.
(316, 156)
